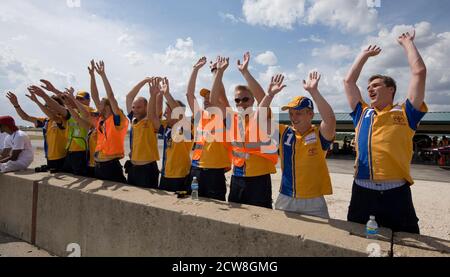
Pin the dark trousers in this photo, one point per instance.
(56, 165)
(110, 171)
(175, 184)
(76, 163)
(211, 182)
(144, 176)
(393, 208)
(255, 191)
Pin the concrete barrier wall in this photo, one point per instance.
(108, 219)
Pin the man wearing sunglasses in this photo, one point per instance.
(252, 166)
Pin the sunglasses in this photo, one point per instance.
(241, 100)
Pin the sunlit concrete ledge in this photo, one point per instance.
(53, 211)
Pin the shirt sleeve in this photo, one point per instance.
(130, 116)
(40, 122)
(414, 116)
(18, 142)
(356, 114)
(324, 142)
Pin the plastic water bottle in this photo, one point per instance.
(371, 228)
(194, 188)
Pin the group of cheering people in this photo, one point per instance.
(90, 142)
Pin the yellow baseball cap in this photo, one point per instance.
(83, 95)
(204, 92)
(299, 103)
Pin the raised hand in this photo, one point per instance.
(37, 91)
(32, 97)
(223, 63)
(276, 84)
(49, 86)
(201, 62)
(100, 68)
(244, 66)
(154, 86)
(70, 91)
(91, 68)
(12, 98)
(406, 37)
(372, 51)
(165, 86)
(313, 82)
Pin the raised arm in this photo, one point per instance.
(43, 108)
(50, 87)
(23, 115)
(190, 94)
(275, 86)
(328, 125)
(154, 89)
(254, 86)
(49, 101)
(416, 89)
(222, 65)
(83, 123)
(83, 111)
(351, 89)
(100, 68)
(134, 92)
(94, 90)
(165, 89)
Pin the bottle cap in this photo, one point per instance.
(372, 217)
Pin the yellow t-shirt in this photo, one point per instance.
(305, 171)
(55, 138)
(176, 153)
(143, 142)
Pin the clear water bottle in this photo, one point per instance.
(194, 188)
(371, 228)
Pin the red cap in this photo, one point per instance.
(8, 121)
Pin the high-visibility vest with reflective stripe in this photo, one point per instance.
(242, 148)
(111, 140)
(220, 159)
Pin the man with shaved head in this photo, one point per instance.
(143, 171)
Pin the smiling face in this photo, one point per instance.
(301, 120)
(381, 91)
(243, 98)
(139, 108)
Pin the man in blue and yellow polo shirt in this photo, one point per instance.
(384, 133)
(303, 148)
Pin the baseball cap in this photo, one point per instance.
(204, 92)
(8, 121)
(299, 103)
(83, 95)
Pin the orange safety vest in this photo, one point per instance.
(111, 141)
(201, 131)
(241, 149)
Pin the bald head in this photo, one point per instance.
(139, 108)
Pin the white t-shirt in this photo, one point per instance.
(2, 140)
(20, 141)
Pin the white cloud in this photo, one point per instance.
(182, 51)
(134, 58)
(334, 52)
(267, 58)
(347, 15)
(282, 14)
(312, 38)
(229, 17)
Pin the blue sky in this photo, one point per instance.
(48, 39)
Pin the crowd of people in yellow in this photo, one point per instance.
(88, 141)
